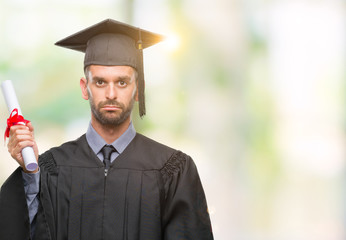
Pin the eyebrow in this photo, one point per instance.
(124, 78)
(121, 78)
(97, 78)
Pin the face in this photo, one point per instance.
(111, 91)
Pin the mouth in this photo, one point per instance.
(111, 108)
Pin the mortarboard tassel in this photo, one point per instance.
(141, 84)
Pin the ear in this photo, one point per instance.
(84, 87)
(136, 95)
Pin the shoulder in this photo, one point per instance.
(70, 146)
(151, 146)
(178, 163)
(144, 153)
(58, 155)
(169, 160)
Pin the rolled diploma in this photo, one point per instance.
(12, 103)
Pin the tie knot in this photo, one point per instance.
(107, 150)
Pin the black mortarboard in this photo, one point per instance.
(112, 43)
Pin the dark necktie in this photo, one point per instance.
(107, 151)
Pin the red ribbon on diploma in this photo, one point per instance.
(14, 119)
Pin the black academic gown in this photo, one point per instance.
(150, 192)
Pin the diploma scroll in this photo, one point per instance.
(12, 103)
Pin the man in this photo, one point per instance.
(111, 183)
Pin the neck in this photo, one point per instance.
(110, 133)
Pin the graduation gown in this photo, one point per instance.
(151, 192)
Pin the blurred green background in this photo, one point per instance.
(253, 90)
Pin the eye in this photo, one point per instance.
(122, 83)
(99, 82)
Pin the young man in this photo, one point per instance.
(111, 183)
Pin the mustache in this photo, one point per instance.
(111, 102)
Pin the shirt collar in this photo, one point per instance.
(96, 142)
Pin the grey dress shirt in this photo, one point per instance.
(96, 142)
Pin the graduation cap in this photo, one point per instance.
(113, 43)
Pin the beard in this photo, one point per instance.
(111, 118)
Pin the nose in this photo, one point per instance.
(111, 92)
